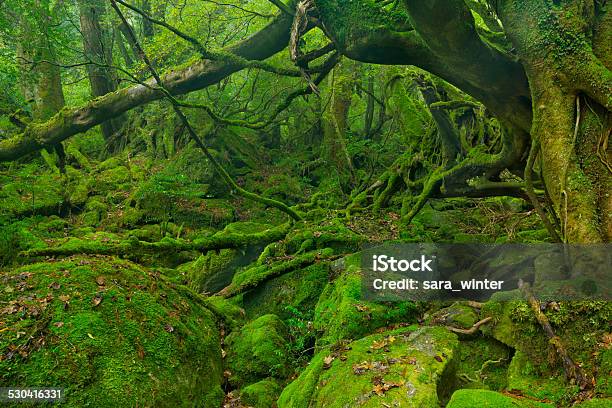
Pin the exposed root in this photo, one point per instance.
(472, 329)
(134, 247)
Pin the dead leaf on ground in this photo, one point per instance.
(327, 361)
(96, 300)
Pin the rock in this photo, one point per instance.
(490, 399)
(399, 368)
(529, 380)
(342, 313)
(214, 270)
(257, 351)
(295, 290)
(457, 315)
(105, 329)
(262, 394)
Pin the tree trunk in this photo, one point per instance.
(335, 120)
(565, 50)
(96, 44)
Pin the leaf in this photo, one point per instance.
(58, 324)
(168, 328)
(96, 300)
(100, 280)
(377, 345)
(379, 389)
(64, 298)
(327, 361)
(90, 336)
(54, 285)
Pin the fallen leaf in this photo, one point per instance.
(377, 345)
(58, 324)
(96, 300)
(100, 280)
(90, 336)
(168, 328)
(327, 361)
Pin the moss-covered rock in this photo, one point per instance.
(581, 325)
(524, 377)
(482, 362)
(262, 394)
(342, 313)
(457, 315)
(214, 270)
(490, 399)
(295, 290)
(29, 191)
(399, 368)
(113, 178)
(257, 351)
(110, 332)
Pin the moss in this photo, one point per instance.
(262, 394)
(580, 324)
(490, 399)
(595, 403)
(109, 332)
(298, 289)
(411, 362)
(524, 377)
(113, 179)
(342, 313)
(259, 350)
(482, 362)
(456, 315)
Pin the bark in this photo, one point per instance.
(564, 51)
(71, 121)
(96, 45)
(448, 134)
(335, 121)
(369, 115)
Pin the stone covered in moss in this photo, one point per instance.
(482, 362)
(262, 394)
(490, 399)
(110, 332)
(214, 270)
(524, 377)
(342, 313)
(259, 350)
(457, 315)
(399, 368)
(30, 192)
(295, 290)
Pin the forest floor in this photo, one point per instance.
(133, 280)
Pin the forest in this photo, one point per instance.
(188, 189)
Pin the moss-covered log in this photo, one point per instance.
(133, 247)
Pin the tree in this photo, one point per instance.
(546, 77)
(97, 49)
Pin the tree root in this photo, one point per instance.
(472, 329)
(134, 247)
